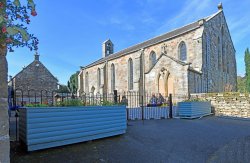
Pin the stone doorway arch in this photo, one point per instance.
(93, 90)
(165, 82)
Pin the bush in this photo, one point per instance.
(70, 102)
(36, 105)
(195, 100)
(109, 103)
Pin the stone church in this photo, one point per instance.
(196, 58)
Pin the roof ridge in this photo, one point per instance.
(23, 69)
(213, 15)
(31, 64)
(137, 46)
(207, 17)
(157, 36)
(48, 71)
(161, 34)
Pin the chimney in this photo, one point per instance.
(220, 7)
(36, 56)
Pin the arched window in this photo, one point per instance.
(223, 50)
(112, 77)
(228, 59)
(207, 62)
(182, 51)
(87, 82)
(208, 42)
(108, 48)
(130, 74)
(93, 90)
(219, 52)
(98, 78)
(152, 59)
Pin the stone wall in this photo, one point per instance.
(4, 118)
(228, 104)
(194, 82)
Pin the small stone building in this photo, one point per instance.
(196, 58)
(35, 78)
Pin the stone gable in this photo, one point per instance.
(35, 77)
(221, 69)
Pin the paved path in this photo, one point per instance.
(209, 139)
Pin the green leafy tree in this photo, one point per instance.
(247, 64)
(63, 89)
(14, 18)
(73, 82)
(241, 84)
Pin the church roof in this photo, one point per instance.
(34, 63)
(155, 40)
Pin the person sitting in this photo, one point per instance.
(153, 100)
(161, 100)
(124, 100)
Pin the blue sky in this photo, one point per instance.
(71, 32)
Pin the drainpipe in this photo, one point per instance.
(143, 73)
(83, 79)
(105, 82)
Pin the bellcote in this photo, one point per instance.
(107, 48)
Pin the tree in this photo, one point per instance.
(241, 84)
(14, 18)
(247, 64)
(63, 89)
(73, 82)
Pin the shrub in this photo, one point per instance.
(109, 103)
(195, 100)
(164, 105)
(36, 105)
(70, 102)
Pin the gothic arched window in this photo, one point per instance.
(87, 82)
(112, 77)
(223, 50)
(98, 78)
(208, 57)
(182, 51)
(130, 74)
(152, 59)
(228, 59)
(219, 52)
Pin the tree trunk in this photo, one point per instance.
(4, 118)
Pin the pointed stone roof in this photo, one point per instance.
(36, 62)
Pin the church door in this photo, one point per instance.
(165, 83)
(161, 84)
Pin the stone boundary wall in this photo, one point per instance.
(227, 104)
(4, 118)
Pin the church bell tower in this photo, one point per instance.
(107, 48)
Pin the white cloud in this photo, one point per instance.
(239, 27)
(190, 11)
